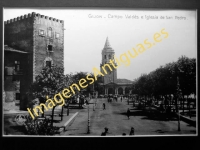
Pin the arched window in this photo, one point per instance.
(105, 56)
(50, 33)
(109, 57)
(48, 62)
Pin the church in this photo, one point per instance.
(110, 84)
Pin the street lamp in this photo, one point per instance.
(88, 131)
(178, 93)
(93, 96)
(93, 105)
(96, 100)
(128, 99)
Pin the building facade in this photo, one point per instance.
(110, 83)
(31, 42)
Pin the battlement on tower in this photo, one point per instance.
(30, 15)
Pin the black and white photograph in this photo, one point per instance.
(85, 72)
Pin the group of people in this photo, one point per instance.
(132, 132)
(128, 113)
(111, 98)
(81, 100)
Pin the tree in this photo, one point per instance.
(163, 80)
(95, 86)
(49, 82)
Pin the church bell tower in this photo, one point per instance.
(107, 55)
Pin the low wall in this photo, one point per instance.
(188, 120)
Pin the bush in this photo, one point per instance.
(39, 126)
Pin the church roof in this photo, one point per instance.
(124, 81)
(120, 82)
(107, 46)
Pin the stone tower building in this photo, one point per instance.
(107, 54)
(110, 84)
(41, 40)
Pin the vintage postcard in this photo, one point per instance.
(99, 72)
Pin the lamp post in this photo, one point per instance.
(96, 100)
(178, 94)
(88, 131)
(93, 104)
(128, 99)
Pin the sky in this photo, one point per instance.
(86, 31)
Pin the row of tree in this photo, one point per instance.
(160, 82)
(163, 81)
(51, 81)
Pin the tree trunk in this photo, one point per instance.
(176, 105)
(67, 110)
(79, 102)
(170, 101)
(189, 110)
(62, 113)
(188, 106)
(52, 117)
(183, 103)
(43, 111)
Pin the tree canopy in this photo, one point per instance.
(163, 80)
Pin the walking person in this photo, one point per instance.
(128, 113)
(86, 102)
(104, 106)
(81, 100)
(132, 131)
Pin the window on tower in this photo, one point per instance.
(109, 57)
(41, 32)
(105, 56)
(48, 63)
(50, 48)
(50, 33)
(57, 35)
